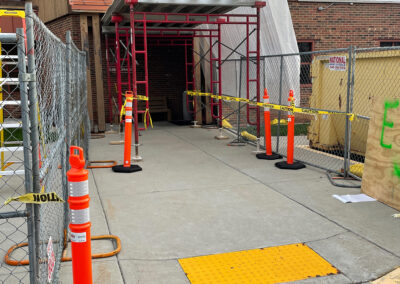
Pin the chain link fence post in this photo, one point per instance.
(353, 71)
(346, 156)
(27, 153)
(278, 130)
(30, 38)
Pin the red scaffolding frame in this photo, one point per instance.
(184, 37)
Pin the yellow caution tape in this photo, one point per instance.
(144, 119)
(141, 98)
(138, 97)
(291, 108)
(122, 111)
(36, 198)
(15, 13)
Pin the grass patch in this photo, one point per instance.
(299, 129)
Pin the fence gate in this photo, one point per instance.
(43, 110)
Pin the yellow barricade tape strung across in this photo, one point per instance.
(271, 106)
(37, 198)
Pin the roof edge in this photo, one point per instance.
(118, 5)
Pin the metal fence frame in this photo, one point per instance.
(352, 53)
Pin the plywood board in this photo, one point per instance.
(381, 177)
(50, 9)
(99, 73)
(85, 47)
(390, 278)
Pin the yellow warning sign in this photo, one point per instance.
(11, 13)
(267, 265)
(37, 198)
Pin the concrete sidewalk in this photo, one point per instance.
(196, 196)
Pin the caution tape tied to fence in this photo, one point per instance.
(36, 198)
(271, 106)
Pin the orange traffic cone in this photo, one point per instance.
(290, 164)
(268, 155)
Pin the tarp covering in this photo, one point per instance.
(277, 37)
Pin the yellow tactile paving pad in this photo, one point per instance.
(266, 265)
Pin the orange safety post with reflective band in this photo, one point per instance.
(78, 190)
(290, 164)
(290, 131)
(127, 167)
(128, 129)
(268, 155)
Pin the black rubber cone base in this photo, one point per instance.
(285, 166)
(122, 169)
(263, 156)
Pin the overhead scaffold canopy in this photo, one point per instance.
(215, 31)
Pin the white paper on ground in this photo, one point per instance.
(353, 198)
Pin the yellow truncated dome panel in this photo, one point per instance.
(267, 265)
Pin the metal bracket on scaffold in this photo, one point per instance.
(221, 135)
(195, 125)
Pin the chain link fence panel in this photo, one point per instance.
(50, 55)
(15, 218)
(58, 118)
(321, 140)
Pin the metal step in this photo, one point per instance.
(9, 81)
(11, 173)
(13, 142)
(6, 125)
(9, 63)
(11, 149)
(2, 57)
(9, 103)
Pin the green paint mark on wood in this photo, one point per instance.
(386, 123)
(396, 168)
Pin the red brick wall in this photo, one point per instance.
(166, 77)
(342, 24)
(71, 23)
(61, 25)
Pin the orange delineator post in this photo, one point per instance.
(128, 129)
(127, 167)
(268, 155)
(80, 224)
(290, 164)
(290, 131)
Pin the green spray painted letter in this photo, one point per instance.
(386, 123)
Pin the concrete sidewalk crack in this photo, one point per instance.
(327, 238)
